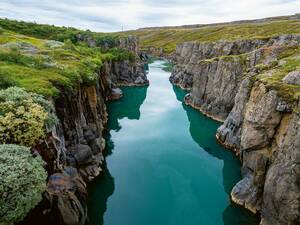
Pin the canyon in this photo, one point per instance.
(250, 85)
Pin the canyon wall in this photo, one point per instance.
(253, 87)
(74, 153)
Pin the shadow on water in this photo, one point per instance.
(103, 187)
(130, 106)
(166, 196)
(100, 190)
(231, 167)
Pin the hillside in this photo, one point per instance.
(40, 65)
(166, 38)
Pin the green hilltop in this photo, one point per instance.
(167, 38)
(30, 60)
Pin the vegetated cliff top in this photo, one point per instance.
(284, 75)
(168, 37)
(45, 66)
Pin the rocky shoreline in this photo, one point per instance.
(260, 124)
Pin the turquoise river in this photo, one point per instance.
(163, 164)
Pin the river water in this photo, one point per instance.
(164, 166)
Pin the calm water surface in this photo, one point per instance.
(164, 166)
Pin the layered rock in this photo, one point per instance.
(214, 81)
(267, 142)
(189, 54)
(239, 83)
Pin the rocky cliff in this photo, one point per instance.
(74, 153)
(253, 87)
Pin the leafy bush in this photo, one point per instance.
(22, 182)
(120, 54)
(24, 117)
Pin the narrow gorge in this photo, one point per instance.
(179, 125)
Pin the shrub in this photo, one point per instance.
(5, 81)
(24, 117)
(22, 182)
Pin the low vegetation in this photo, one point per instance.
(24, 117)
(34, 70)
(168, 38)
(51, 32)
(273, 77)
(22, 182)
(44, 66)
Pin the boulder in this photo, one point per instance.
(67, 195)
(292, 78)
(82, 154)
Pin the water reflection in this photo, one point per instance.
(100, 190)
(207, 141)
(165, 166)
(129, 107)
(103, 187)
(232, 214)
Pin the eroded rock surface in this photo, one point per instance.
(214, 71)
(228, 82)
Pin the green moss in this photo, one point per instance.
(273, 79)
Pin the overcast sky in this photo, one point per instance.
(109, 15)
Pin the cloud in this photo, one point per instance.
(108, 15)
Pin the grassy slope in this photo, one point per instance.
(168, 38)
(47, 67)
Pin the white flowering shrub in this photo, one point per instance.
(22, 182)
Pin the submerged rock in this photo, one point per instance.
(116, 93)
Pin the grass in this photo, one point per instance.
(51, 32)
(46, 70)
(168, 38)
(289, 92)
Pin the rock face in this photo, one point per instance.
(214, 71)
(189, 54)
(74, 153)
(127, 73)
(267, 142)
(260, 125)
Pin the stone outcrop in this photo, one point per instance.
(189, 54)
(292, 78)
(267, 142)
(213, 71)
(260, 124)
(74, 153)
